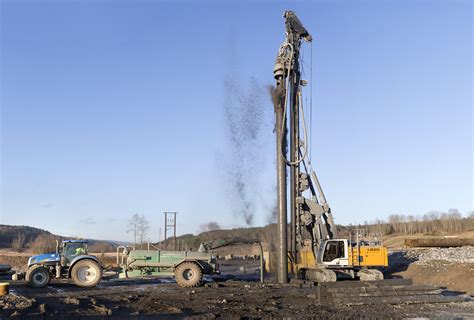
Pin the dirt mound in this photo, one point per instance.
(452, 268)
(454, 276)
(15, 302)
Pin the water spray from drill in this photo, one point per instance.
(245, 114)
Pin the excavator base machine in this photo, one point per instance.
(341, 259)
(316, 252)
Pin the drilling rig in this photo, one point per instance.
(315, 252)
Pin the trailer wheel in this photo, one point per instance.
(86, 273)
(37, 276)
(188, 275)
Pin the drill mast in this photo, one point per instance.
(310, 217)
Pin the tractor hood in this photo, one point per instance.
(44, 258)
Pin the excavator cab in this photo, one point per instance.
(335, 253)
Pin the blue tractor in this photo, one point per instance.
(70, 261)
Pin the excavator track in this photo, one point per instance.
(369, 275)
(320, 275)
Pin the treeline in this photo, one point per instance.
(431, 223)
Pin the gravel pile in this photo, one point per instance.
(447, 255)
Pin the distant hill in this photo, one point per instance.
(11, 236)
(39, 240)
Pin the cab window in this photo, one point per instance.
(333, 250)
(73, 249)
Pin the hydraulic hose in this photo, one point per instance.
(300, 106)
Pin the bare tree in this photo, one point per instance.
(139, 226)
(132, 226)
(143, 228)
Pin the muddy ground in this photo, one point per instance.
(236, 294)
(149, 299)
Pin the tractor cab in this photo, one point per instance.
(71, 249)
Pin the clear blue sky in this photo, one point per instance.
(115, 107)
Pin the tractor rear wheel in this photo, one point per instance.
(86, 273)
(188, 275)
(37, 276)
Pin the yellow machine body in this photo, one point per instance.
(368, 256)
(338, 253)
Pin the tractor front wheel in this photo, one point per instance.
(86, 273)
(188, 275)
(37, 276)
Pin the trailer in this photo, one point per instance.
(188, 267)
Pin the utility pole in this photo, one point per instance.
(166, 222)
(170, 223)
(174, 230)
